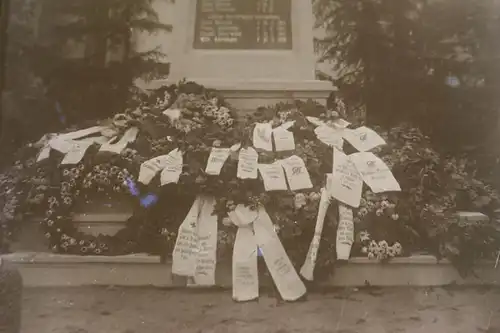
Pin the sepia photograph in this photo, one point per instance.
(249, 166)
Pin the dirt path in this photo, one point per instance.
(96, 310)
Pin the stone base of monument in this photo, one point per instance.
(103, 215)
(49, 270)
(251, 94)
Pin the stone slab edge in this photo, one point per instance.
(142, 270)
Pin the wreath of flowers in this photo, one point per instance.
(204, 117)
(78, 182)
(386, 225)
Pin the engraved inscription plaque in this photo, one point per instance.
(243, 25)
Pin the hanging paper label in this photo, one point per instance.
(245, 272)
(216, 160)
(207, 243)
(185, 254)
(363, 138)
(307, 269)
(375, 173)
(279, 265)
(345, 233)
(315, 121)
(296, 173)
(44, 154)
(173, 168)
(329, 136)
(150, 168)
(273, 176)
(76, 152)
(283, 139)
(262, 136)
(247, 163)
(346, 182)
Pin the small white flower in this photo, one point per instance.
(300, 200)
(364, 236)
(227, 221)
(395, 217)
(314, 196)
(363, 212)
(364, 250)
(398, 249)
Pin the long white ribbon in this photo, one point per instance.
(345, 232)
(206, 260)
(81, 133)
(245, 271)
(129, 136)
(282, 271)
(307, 270)
(185, 254)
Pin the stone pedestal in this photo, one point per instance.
(103, 215)
(254, 52)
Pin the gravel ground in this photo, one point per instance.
(392, 310)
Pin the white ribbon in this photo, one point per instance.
(150, 168)
(206, 260)
(76, 152)
(245, 272)
(307, 270)
(81, 133)
(185, 254)
(345, 232)
(282, 271)
(129, 136)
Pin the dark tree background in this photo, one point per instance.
(432, 63)
(47, 89)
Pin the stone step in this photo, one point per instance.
(32, 238)
(51, 270)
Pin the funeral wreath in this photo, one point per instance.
(296, 180)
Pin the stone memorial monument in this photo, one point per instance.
(255, 52)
